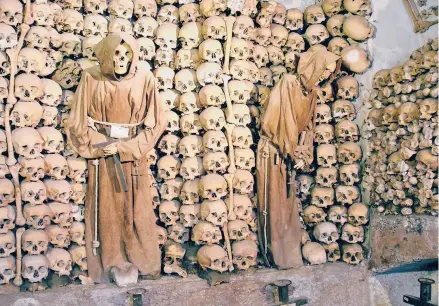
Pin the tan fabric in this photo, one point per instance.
(126, 219)
(288, 112)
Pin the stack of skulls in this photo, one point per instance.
(40, 69)
(334, 218)
(401, 164)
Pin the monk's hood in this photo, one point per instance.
(313, 64)
(105, 50)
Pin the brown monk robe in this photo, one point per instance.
(126, 220)
(288, 112)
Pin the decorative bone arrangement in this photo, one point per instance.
(402, 158)
(214, 74)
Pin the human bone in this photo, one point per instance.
(262, 36)
(278, 72)
(294, 20)
(33, 192)
(350, 174)
(314, 14)
(178, 233)
(243, 27)
(327, 155)
(95, 6)
(7, 218)
(205, 232)
(337, 44)
(352, 253)
(352, 234)
(165, 77)
(347, 194)
(242, 206)
(213, 257)
(95, 25)
(7, 244)
(215, 162)
(244, 254)
(190, 215)
(322, 197)
(325, 94)
(34, 241)
(120, 25)
(4, 64)
(324, 134)
(332, 7)
(356, 59)
(58, 190)
(358, 214)
(190, 124)
(243, 182)
(279, 35)
(190, 12)
(348, 153)
(346, 130)
(212, 187)
(214, 211)
(169, 144)
(265, 14)
(162, 235)
(191, 168)
(238, 230)
(79, 192)
(343, 110)
(7, 192)
(316, 34)
(28, 87)
(326, 177)
(209, 73)
(168, 14)
(313, 215)
(37, 37)
(60, 261)
(11, 12)
(79, 256)
(190, 35)
(408, 112)
(190, 146)
(333, 252)
(53, 141)
(59, 237)
(70, 21)
(358, 7)
(214, 141)
(326, 232)
(242, 137)
(35, 268)
(314, 253)
(338, 214)
(347, 88)
(428, 108)
(121, 9)
(245, 159)
(168, 167)
(4, 169)
(32, 169)
(168, 212)
(26, 114)
(357, 28)
(145, 27)
(174, 255)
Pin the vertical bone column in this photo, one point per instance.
(19, 220)
(11, 100)
(18, 281)
(230, 20)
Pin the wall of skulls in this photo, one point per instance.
(214, 72)
(401, 167)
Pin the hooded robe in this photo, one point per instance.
(288, 112)
(126, 220)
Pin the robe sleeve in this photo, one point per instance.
(154, 126)
(80, 136)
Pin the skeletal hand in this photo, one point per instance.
(110, 150)
(299, 164)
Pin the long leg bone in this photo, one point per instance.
(229, 128)
(19, 220)
(229, 178)
(28, 19)
(230, 115)
(11, 100)
(228, 245)
(230, 20)
(18, 281)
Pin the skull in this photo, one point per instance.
(332, 251)
(304, 183)
(7, 219)
(347, 88)
(243, 182)
(408, 112)
(32, 169)
(295, 42)
(316, 34)
(7, 192)
(263, 91)
(145, 8)
(190, 12)
(190, 124)
(323, 114)
(95, 25)
(325, 94)
(95, 6)
(79, 191)
(314, 253)
(205, 232)
(52, 93)
(322, 197)
(280, 14)
(168, 212)
(346, 130)
(358, 7)
(4, 89)
(391, 113)
(162, 235)
(353, 254)
(212, 187)
(279, 35)
(185, 81)
(265, 14)
(243, 206)
(28, 87)
(168, 167)
(429, 60)
(37, 37)
(381, 78)
(120, 25)
(327, 156)
(26, 114)
(43, 13)
(174, 254)
(212, 257)
(170, 189)
(145, 27)
(314, 14)
(428, 108)
(165, 77)
(356, 59)
(294, 20)
(77, 169)
(121, 9)
(352, 234)
(262, 36)
(59, 261)
(337, 44)
(190, 214)
(191, 168)
(190, 146)
(358, 214)
(244, 254)
(190, 35)
(335, 25)
(38, 216)
(70, 44)
(427, 159)
(59, 237)
(165, 57)
(27, 142)
(240, 49)
(243, 27)
(313, 215)
(50, 116)
(4, 64)
(168, 14)
(212, 7)
(178, 233)
(4, 169)
(242, 137)
(214, 141)
(324, 134)
(183, 58)
(208, 73)
(53, 141)
(278, 72)
(215, 162)
(347, 194)
(266, 76)
(79, 256)
(35, 242)
(7, 244)
(238, 230)
(169, 144)
(245, 159)
(343, 110)
(358, 28)
(35, 268)
(58, 190)
(338, 214)
(326, 232)
(260, 56)
(70, 21)
(326, 177)
(11, 12)
(214, 28)
(348, 153)
(350, 174)
(170, 99)
(332, 7)
(275, 55)
(214, 212)
(212, 118)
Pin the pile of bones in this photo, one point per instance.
(402, 158)
(214, 67)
